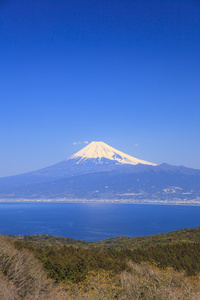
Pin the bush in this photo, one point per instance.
(22, 271)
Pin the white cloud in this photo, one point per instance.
(77, 143)
(86, 142)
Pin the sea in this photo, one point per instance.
(95, 221)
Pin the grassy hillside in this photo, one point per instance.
(117, 268)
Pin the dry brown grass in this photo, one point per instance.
(22, 276)
(148, 282)
(7, 289)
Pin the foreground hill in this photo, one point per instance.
(101, 172)
(164, 266)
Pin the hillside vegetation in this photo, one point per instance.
(164, 266)
(178, 236)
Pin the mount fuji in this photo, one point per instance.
(99, 152)
(100, 172)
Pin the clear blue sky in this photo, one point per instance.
(126, 72)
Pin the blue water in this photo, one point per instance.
(94, 221)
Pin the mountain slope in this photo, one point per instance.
(141, 183)
(96, 157)
(101, 172)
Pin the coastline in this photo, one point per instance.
(193, 202)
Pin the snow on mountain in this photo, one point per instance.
(99, 150)
(99, 171)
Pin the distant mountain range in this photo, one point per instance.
(100, 172)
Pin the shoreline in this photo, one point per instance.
(105, 201)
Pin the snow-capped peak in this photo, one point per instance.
(99, 150)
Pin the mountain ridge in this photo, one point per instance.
(95, 172)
